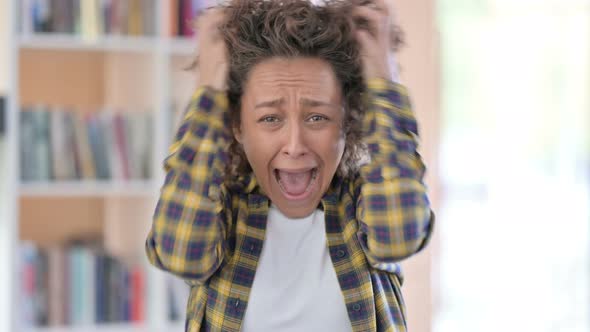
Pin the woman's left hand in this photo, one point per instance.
(373, 24)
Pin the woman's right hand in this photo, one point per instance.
(213, 64)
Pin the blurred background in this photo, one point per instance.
(89, 91)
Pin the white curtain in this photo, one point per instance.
(515, 235)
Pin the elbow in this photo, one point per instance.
(419, 235)
(413, 238)
(192, 267)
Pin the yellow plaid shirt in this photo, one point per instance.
(211, 233)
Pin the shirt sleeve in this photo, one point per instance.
(190, 221)
(393, 209)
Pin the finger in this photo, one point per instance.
(363, 36)
(382, 6)
(376, 5)
(366, 19)
(211, 18)
(366, 40)
(368, 14)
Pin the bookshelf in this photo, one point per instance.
(74, 43)
(114, 328)
(88, 189)
(84, 75)
(183, 46)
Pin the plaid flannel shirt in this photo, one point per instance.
(210, 232)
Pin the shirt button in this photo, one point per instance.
(237, 303)
(341, 253)
(252, 247)
(356, 307)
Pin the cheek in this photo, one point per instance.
(333, 148)
(258, 148)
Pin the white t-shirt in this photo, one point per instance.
(295, 287)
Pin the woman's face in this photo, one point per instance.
(291, 130)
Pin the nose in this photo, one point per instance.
(295, 145)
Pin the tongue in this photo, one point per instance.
(295, 183)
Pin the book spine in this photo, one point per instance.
(97, 145)
(41, 290)
(137, 294)
(58, 145)
(100, 289)
(121, 144)
(83, 152)
(88, 273)
(56, 283)
(26, 134)
(28, 254)
(42, 163)
(110, 145)
(75, 294)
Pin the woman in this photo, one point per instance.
(294, 187)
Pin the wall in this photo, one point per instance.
(420, 72)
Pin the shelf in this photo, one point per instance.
(140, 44)
(87, 189)
(122, 327)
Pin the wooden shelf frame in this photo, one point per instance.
(119, 200)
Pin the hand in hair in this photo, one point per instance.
(373, 23)
(212, 66)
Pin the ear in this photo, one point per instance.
(237, 134)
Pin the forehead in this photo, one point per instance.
(308, 76)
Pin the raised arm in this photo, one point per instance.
(191, 221)
(192, 217)
(392, 205)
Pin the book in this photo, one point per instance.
(83, 154)
(26, 156)
(58, 146)
(41, 286)
(98, 147)
(42, 169)
(120, 135)
(79, 285)
(57, 285)
(174, 18)
(137, 295)
(27, 268)
(63, 145)
(76, 285)
(62, 18)
(90, 19)
(134, 18)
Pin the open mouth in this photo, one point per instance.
(296, 184)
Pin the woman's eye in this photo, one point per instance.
(317, 118)
(269, 119)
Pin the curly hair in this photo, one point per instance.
(256, 30)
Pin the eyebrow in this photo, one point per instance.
(304, 102)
